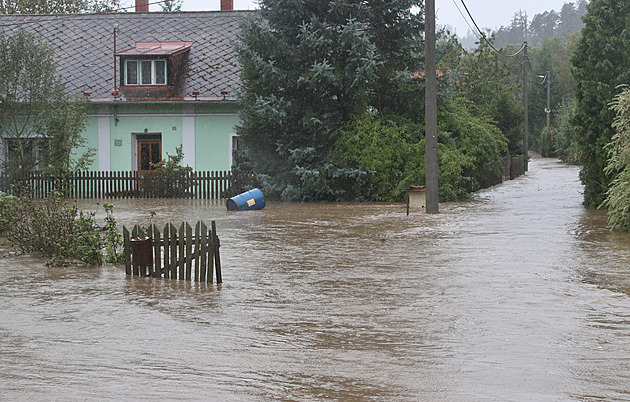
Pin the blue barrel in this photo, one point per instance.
(249, 200)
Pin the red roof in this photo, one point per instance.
(156, 49)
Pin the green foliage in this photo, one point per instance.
(600, 64)
(49, 227)
(308, 69)
(170, 6)
(392, 154)
(39, 122)
(472, 148)
(169, 173)
(57, 7)
(315, 178)
(566, 147)
(484, 79)
(618, 195)
(543, 26)
(553, 58)
(113, 240)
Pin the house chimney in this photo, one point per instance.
(227, 5)
(142, 6)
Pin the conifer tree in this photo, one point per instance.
(600, 65)
(309, 67)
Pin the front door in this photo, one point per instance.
(149, 154)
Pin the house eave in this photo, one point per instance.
(165, 100)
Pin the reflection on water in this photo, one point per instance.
(519, 295)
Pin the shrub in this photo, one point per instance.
(618, 195)
(60, 232)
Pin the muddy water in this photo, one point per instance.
(520, 295)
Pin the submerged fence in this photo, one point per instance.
(173, 254)
(131, 184)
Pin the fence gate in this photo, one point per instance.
(173, 253)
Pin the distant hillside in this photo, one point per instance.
(549, 24)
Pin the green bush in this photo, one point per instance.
(618, 195)
(567, 148)
(391, 153)
(170, 176)
(51, 228)
(391, 156)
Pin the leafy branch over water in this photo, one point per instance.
(61, 233)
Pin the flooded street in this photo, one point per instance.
(521, 295)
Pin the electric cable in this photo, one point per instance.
(483, 35)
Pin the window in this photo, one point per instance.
(26, 153)
(234, 146)
(145, 72)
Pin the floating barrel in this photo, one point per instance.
(249, 200)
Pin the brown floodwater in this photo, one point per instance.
(522, 294)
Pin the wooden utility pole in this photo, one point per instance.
(525, 100)
(431, 150)
(548, 109)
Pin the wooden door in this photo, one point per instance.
(149, 153)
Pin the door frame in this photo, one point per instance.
(137, 139)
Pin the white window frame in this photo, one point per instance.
(154, 77)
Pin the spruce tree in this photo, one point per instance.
(311, 66)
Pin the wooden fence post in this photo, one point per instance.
(217, 257)
(189, 256)
(157, 250)
(197, 251)
(181, 240)
(167, 251)
(127, 251)
(173, 262)
(203, 250)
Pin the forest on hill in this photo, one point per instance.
(547, 25)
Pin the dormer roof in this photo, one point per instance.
(156, 49)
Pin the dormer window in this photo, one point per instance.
(152, 63)
(145, 72)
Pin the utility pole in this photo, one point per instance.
(525, 100)
(548, 110)
(430, 100)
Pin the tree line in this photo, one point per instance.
(547, 25)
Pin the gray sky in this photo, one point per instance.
(487, 13)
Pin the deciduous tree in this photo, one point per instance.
(39, 122)
(57, 6)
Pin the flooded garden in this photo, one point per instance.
(521, 294)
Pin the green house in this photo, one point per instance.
(155, 82)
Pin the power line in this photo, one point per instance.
(473, 30)
(132, 7)
(483, 35)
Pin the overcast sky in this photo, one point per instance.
(487, 13)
